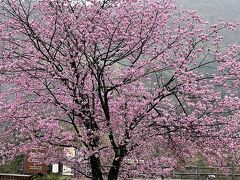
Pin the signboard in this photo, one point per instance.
(67, 171)
(34, 161)
(55, 168)
(70, 152)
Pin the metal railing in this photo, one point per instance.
(201, 172)
(4, 176)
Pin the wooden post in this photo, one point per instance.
(198, 172)
(233, 172)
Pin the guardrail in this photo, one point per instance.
(14, 177)
(201, 172)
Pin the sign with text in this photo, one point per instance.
(34, 161)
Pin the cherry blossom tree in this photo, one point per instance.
(135, 86)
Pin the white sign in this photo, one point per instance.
(55, 168)
(67, 171)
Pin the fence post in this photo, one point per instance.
(233, 172)
(198, 172)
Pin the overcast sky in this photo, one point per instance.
(212, 10)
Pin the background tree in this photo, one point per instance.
(137, 85)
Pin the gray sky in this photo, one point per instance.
(212, 10)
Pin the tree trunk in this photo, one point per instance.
(96, 168)
(114, 170)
